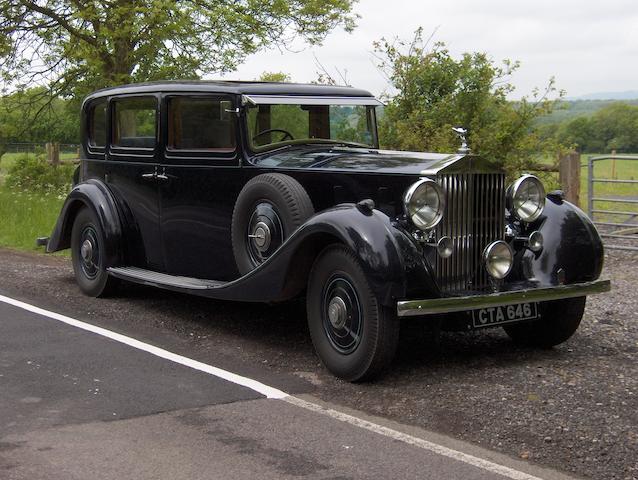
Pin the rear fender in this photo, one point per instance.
(95, 195)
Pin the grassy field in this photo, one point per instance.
(603, 169)
(624, 170)
(8, 159)
(24, 217)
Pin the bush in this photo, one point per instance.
(433, 92)
(34, 174)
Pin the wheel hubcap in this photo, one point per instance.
(265, 232)
(337, 312)
(86, 250)
(261, 236)
(89, 252)
(342, 314)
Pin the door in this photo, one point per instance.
(132, 164)
(202, 175)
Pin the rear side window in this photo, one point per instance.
(135, 123)
(200, 123)
(97, 125)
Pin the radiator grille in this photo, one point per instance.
(474, 217)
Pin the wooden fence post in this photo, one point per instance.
(569, 176)
(53, 153)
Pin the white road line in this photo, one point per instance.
(275, 393)
(412, 440)
(258, 387)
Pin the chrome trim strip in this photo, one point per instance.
(411, 308)
(309, 100)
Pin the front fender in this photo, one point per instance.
(370, 235)
(385, 253)
(95, 195)
(571, 244)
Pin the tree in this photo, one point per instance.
(614, 127)
(280, 77)
(78, 46)
(577, 133)
(435, 92)
(57, 119)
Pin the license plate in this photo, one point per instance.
(487, 317)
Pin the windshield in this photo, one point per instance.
(274, 125)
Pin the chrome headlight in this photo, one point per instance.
(498, 259)
(526, 198)
(424, 204)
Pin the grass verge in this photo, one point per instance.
(26, 216)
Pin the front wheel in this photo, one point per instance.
(88, 256)
(353, 334)
(559, 321)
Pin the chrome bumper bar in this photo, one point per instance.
(412, 308)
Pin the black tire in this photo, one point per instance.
(559, 321)
(369, 350)
(271, 205)
(89, 264)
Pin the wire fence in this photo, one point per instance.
(67, 150)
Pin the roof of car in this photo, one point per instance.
(233, 87)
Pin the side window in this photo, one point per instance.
(97, 125)
(200, 123)
(135, 122)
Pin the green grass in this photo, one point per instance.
(623, 170)
(25, 216)
(9, 159)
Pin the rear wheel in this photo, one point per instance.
(88, 256)
(353, 334)
(559, 321)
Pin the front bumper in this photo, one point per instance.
(412, 308)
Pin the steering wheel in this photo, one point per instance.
(287, 134)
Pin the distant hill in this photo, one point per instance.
(628, 95)
(570, 109)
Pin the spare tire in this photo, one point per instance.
(268, 209)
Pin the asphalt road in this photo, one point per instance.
(75, 404)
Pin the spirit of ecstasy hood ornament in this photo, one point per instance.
(462, 133)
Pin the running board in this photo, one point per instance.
(163, 280)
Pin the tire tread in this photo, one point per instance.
(294, 196)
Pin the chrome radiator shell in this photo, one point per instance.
(474, 217)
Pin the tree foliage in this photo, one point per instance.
(78, 46)
(614, 127)
(57, 119)
(435, 92)
(279, 77)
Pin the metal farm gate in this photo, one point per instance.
(619, 224)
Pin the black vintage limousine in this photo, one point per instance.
(262, 192)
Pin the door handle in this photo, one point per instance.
(149, 176)
(165, 177)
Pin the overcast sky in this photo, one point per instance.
(589, 46)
